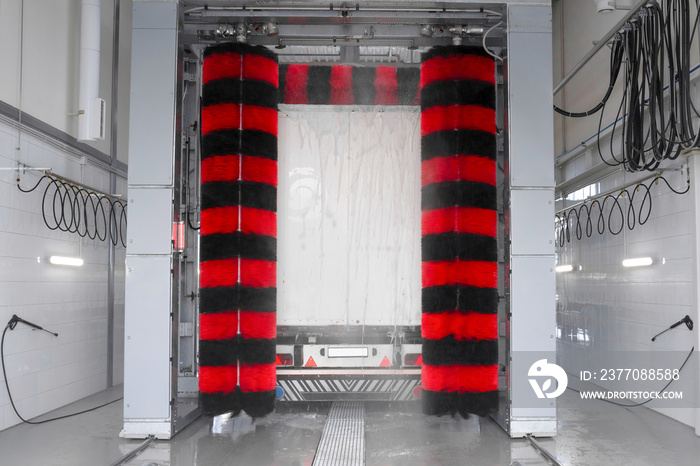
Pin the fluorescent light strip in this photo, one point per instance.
(61, 260)
(638, 262)
(565, 268)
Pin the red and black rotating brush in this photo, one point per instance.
(238, 244)
(459, 228)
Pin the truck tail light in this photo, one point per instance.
(417, 392)
(284, 359)
(413, 359)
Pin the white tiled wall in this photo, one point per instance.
(46, 372)
(604, 308)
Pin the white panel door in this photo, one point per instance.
(349, 216)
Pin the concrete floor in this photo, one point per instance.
(589, 434)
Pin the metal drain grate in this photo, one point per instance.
(343, 439)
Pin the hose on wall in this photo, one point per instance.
(649, 55)
(606, 212)
(75, 209)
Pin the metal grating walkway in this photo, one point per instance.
(343, 440)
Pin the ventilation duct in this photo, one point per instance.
(91, 109)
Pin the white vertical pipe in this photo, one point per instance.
(89, 66)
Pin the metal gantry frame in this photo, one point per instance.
(529, 278)
(160, 394)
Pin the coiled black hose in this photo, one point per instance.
(581, 218)
(74, 209)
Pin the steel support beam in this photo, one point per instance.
(151, 406)
(530, 281)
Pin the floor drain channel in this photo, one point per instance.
(343, 439)
(551, 459)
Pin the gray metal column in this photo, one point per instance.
(110, 290)
(150, 374)
(530, 282)
(694, 167)
(113, 189)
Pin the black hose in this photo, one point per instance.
(653, 49)
(582, 217)
(12, 401)
(73, 209)
(615, 66)
(187, 187)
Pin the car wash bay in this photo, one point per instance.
(364, 225)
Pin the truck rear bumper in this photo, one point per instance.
(333, 384)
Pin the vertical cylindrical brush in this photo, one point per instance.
(238, 246)
(258, 235)
(459, 228)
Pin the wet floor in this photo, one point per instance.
(395, 434)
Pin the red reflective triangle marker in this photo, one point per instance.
(385, 362)
(311, 362)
